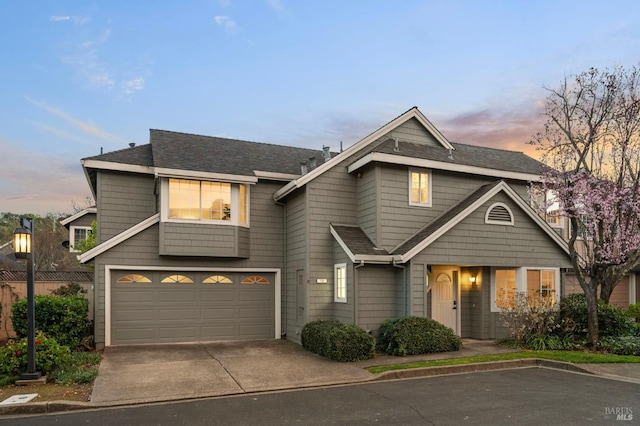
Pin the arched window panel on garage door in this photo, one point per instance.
(177, 279)
(134, 278)
(217, 279)
(255, 279)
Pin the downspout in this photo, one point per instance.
(404, 283)
(355, 291)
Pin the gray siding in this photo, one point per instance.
(198, 239)
(85, 220)
(399, 221)
(296, 300)
(379, 295)
(473, 242)
(418, 287)
(124, 199)
(368, 201)
(331, 198)
(413, 131)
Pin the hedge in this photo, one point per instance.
(337, 341)
(63, 319)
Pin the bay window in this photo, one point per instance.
(208, 201)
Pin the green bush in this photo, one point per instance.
(612, 321)
(622, 345)
(48, 356)
(70, 289)
(550, 342)
(337, 341)
(415, 335)
(633, 311)
(62, 318)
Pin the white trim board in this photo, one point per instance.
(107, 289)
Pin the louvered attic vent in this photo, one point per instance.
(499, 214)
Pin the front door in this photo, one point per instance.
(444, 297)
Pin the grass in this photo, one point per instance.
(574, 357)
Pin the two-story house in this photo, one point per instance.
(204, 238)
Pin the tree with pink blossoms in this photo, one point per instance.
(591, 143)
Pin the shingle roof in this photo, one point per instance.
(138, 156)
(357, 241)
(231, 156)
(468, 155)
(185, 151)
(76, 276)
(441, 220)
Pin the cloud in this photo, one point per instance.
(275, 5)
(506, 127)
(133, 85)
(80, 20)
(87, 65)
(44, 184)
(87, 128)
(225, 22)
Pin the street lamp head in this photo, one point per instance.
(22, 243)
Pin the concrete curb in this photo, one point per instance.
(479, 367)
(31, 408)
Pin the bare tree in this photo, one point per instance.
(591, 141)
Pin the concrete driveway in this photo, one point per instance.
(152, 373)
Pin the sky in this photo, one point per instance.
(81, 76)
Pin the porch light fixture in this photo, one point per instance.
(472, 279)
(23, 247)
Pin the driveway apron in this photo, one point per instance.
(151, 373)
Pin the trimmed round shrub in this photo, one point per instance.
(48, 356)
(337, 341)
(416, 335)
(612, 321)
(61, 318)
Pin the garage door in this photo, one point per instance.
(163, 307)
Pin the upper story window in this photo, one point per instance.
(77, 234)
(420, 188)
(208, 201)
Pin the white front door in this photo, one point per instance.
(444, 297)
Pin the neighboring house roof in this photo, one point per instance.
(8, 261)
(352, 240)
(6, 248)
(77, 276)
(78, 215)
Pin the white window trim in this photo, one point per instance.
(336, 267)
(72, 236)
(498, 222)
(521, 282)
(235, 201)
(429, 189)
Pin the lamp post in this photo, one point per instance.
(23, 239)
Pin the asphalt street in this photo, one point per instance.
(531, 396)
